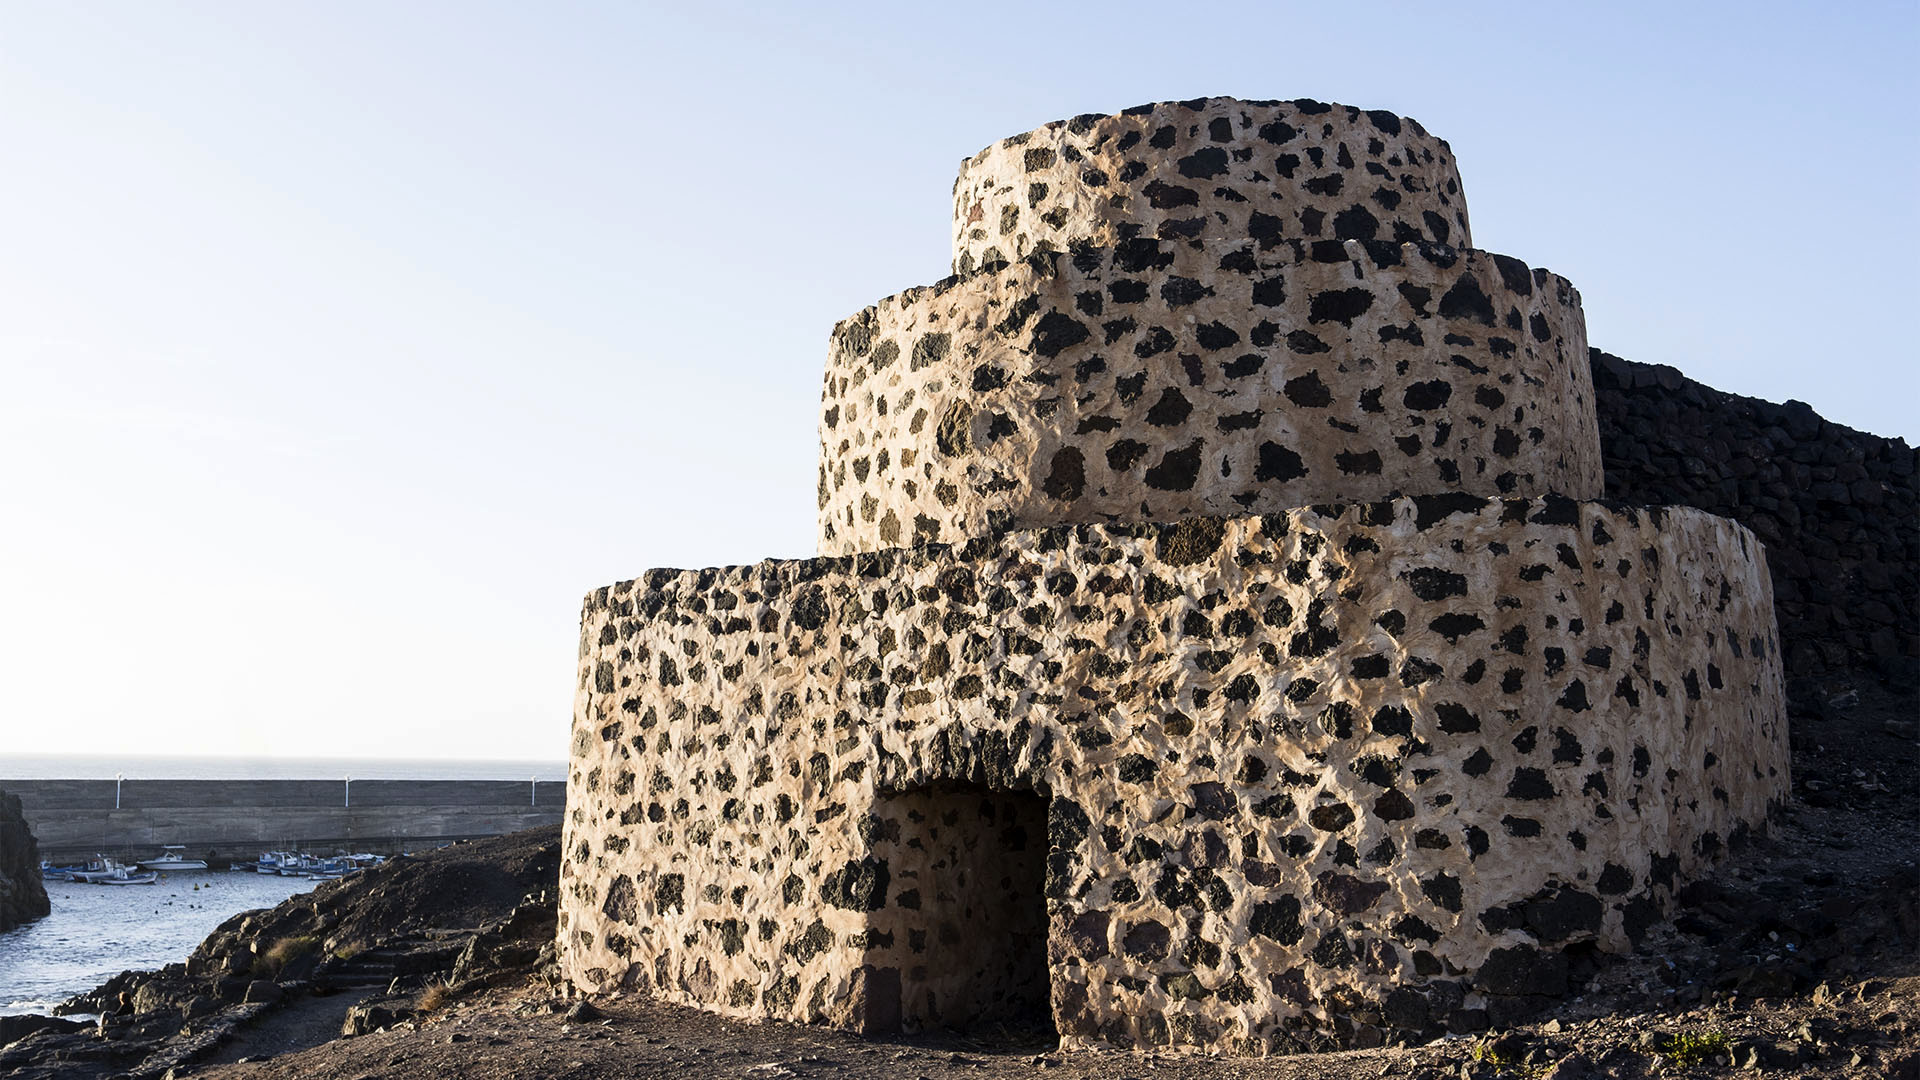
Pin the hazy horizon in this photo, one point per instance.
(131, 767)
(344, 348)
(104, 756)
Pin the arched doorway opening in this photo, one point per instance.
(968, 924)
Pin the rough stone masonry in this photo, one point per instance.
(1217, 642)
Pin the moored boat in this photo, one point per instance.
(329, 869)
(107, 871)
(128, 877)
(98, 868)
(173, 857)
(313, 867)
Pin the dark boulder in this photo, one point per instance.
(368, 1016)
(22, 897)
(15, 1028)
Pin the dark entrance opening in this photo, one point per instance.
(967, 928)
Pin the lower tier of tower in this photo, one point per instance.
(1323, 777)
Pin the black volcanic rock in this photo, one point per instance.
(1838, 510)
(22, 897)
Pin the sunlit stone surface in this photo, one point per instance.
(1216, 644)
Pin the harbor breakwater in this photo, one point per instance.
(237, 819)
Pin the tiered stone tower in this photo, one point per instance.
(1214, 642)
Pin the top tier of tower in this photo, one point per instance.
(1266, 170)
(1212, 307)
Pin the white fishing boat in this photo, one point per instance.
(126, 876)
(98, 868)
(106, 871)
(173, 857)
(316, 868)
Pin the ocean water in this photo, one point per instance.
(156, 767)
(97, 931)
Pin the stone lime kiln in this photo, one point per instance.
(1215, 641)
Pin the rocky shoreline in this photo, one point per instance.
(349, 957)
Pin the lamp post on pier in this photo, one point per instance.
(117, 778)
(349, 794)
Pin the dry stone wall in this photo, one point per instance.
(1264, 170)
(1338, 770)
(1157, 380)
(1218, 643)
(1838, 509)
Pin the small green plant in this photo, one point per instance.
(1695, 1046)
(277, 956)
(349, 950)
(1505, 1059)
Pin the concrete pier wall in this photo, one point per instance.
(237, 819)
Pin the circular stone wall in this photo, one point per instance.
(1339, 769)
(1208, 167)
(1155, 380)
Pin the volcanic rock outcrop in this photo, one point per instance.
(22, 897)
(382, 946)
(1215, 644)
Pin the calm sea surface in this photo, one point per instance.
(137, 767)
(98, 931)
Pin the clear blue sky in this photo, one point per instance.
(344, 346)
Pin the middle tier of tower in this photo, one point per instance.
(1159, 380)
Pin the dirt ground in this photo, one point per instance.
(505, 1037)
